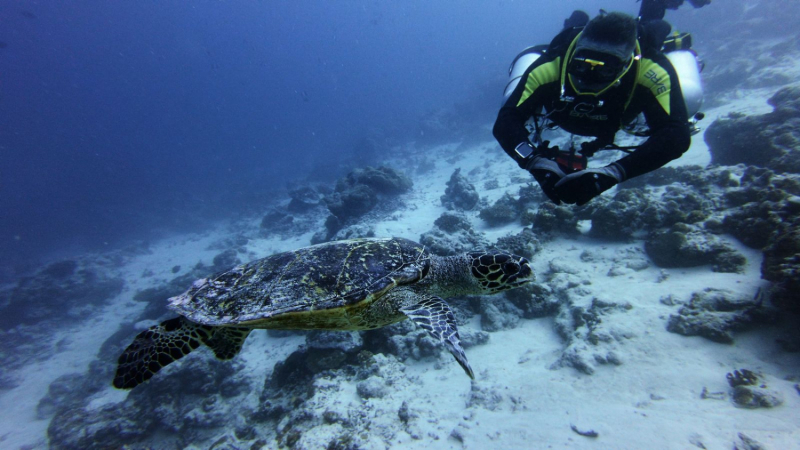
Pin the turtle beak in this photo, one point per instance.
(516, 272)
(523, 274)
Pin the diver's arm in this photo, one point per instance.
(509, 127)
(665, 144)
(537, 84)
(509, 130)
(670, 136)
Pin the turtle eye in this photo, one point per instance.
(511, 267)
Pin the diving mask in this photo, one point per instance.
(592, 71)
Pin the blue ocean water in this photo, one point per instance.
(129, 119)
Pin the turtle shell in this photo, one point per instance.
(319, 287)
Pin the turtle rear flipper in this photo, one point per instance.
(160, 345)
(227, 341)
(434, 315)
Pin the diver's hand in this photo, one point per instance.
(589, 148)
(547, 173)
(580, 187)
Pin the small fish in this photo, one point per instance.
(28, 14)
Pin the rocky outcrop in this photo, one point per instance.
(781, 266)
(550, 219)
(525, 243)
(452, 234)
(589, 339)
(277, 221)
(360, 192)
(505, 210)
(323, 351)
(382, 180)
(303, 199)
(635, 209)
(59, 292)
(750, 391)
(715, 314)
(191, 403)
(690, 246)
(771, 140)
(460, 194)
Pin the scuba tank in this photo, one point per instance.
(519, 65)
(678, 49)
(688, 69)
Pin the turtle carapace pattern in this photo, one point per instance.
(357, 284)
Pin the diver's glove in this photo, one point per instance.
(589, 148)
(580, 187)
(547, 173)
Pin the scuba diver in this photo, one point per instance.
(652, 12)
(655, 9)
(591, 80)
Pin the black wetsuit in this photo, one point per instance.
(650, 87)
(655, 9)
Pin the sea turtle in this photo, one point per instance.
(357, 284)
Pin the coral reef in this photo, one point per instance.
(635, 209)
(456, 237)
(225, 260)
(525, 243)
(765, 205)
(689, 246)
(453, 222)
(358, 193)
(549, 219)
(191, 403)
(59, 292)
(460, 194)
(323, 351)
(303, 199)
(716, 313)
(382, 180)
(351, 202)
(504, 210)
(748, 390)
(771, 140)
(781, 265)
(621, 217)
(497, 313)
(277, 221)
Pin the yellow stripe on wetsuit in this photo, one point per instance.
(655, 78)
(544, 74)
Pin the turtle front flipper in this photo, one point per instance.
(434, 315)
(160, 345)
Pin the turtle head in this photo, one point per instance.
(500, 271)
